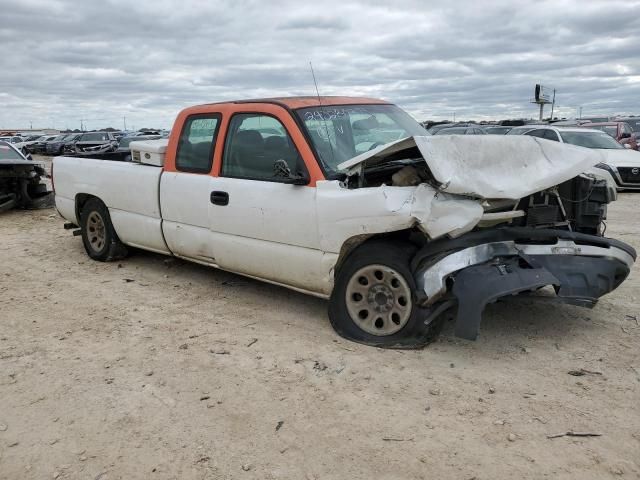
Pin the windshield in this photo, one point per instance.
(126, 141)
(452, 131)
(520, 130)
(590, 140)
(594, 119)
(8, 153)
(498, 130)
(634, 124)
(340, 132)
(611, 130)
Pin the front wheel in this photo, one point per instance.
(98, 235)
(373, 300)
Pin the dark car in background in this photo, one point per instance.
(58, 145)
(96, 142)
(41, 145)
(123, 145)
(473, 130)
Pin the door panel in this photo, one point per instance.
(184, 198)
(268, 230)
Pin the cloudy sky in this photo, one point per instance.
(62, 61)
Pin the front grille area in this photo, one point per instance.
(627, 175)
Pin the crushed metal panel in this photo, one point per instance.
(509, 167)
(345, 213)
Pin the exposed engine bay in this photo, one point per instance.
(579, 204)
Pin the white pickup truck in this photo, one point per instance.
(350, 199)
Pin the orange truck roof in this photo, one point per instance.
(310, 101)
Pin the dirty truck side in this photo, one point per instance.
(352, 200)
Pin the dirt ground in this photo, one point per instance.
(157, 368)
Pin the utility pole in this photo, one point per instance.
(553, 104)
(124, 120)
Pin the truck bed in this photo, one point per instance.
(129, 190)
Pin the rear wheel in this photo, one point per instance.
(373, 300)
(98, 235)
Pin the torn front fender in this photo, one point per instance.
(345, 213)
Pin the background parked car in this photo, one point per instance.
(599, 119)
(96, 142)
(633, 122)
(621, 131)
(51, 146)
(497, 129)
(29, 141)
(523, 129)
(461, 131)
(16, 141)
(435, 128)
(123, 145)
(40, 146)
(623, 164)
(58, 144)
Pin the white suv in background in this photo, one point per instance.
(622, 164)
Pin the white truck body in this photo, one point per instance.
(293, 235)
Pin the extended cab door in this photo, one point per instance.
(185, 191)
(262, 226)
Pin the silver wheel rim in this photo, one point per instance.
(378, 300)
(96, 231)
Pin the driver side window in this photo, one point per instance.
(255, 142)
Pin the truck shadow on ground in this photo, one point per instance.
(513, 320)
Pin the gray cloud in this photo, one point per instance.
(65, 60)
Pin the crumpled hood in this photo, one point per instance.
(490, 166)
(621, 158)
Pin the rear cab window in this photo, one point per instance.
(197, 143)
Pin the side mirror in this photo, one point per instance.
(625, 135)
(282, 171)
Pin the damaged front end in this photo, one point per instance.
(538, 221)
(482, 266)
(21, 181)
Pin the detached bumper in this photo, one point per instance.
(481, 267)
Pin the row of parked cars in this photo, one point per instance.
(624, 130)
(80, 143)
(616, 140)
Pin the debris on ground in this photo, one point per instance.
(581, 372)
(574, 434)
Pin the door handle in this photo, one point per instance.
(220, 198)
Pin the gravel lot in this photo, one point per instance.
(157, 368)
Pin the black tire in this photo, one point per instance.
(110, 247)
(413, 332)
